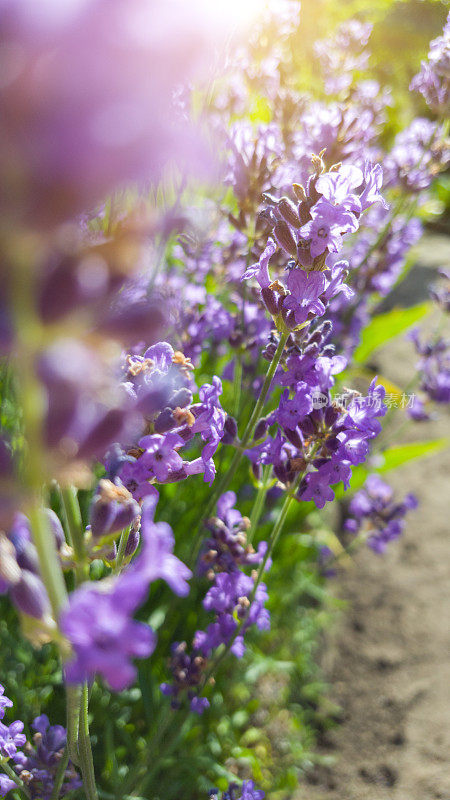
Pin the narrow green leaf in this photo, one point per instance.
(385, 327)
(400, 454)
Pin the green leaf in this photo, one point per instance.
(400, 454)
(385, 327)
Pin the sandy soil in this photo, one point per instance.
(389, 661)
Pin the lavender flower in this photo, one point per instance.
(91, 127)
(38, 764)
(433, 79)
(248, 791)
(374, 512)
(233, 597)
(98, 621)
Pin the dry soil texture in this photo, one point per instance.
(390, 658)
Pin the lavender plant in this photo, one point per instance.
(178, 356)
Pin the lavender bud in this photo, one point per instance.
(231, 430)
(133, 542)
(289, 212)
(271, 301)
(30, 597)
(284, 237)
(55, 526)
(257, 471)
(294, 437)
(304, 254)
(112, 509)
(289, 318)
(165, 421)
(27, 557)
(303, 212)
(261, 429)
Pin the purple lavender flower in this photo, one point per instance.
(38, 765)
(76, 128)
(343, 54)
(292, 410)
(339, 187)
(306, 289)
(374, 512)
(5, 702)
(103, 636)
(433, 79)
(260, 270)
(328, 225)
(98, 621)
(6, 785)
(112, 509)
(11, 738)
(247, 791)
(227, 549)
(155, 559)
(160, 455)
(434, 372)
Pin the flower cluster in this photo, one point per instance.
(247, 791)
(343, 54)
(312, 431)
(434, 372)
(373, 512)
(433, 79)
(19, 566)
(98, 621)
(37, 764)
(35, 767)
(227, 548)
(236, 599)
(160, 387)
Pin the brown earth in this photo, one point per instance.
(389, 661)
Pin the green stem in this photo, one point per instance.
(259, 502)
(224, 482)
(75, 526)
(49, 564)
(32, 399)
(121, 549)
(237, 384)
(73, 699)
(60, 772)
(84, 748)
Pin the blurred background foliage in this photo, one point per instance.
(273, 705)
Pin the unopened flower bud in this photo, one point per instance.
(299, 191)
(132, 542)
(304, 254)
(271, 301)
(289, 212)
(284, 237)
(30, 597)
(231, 430)
(261, 429)
(55, 527)
(112, 509)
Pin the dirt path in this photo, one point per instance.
(389, 663)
